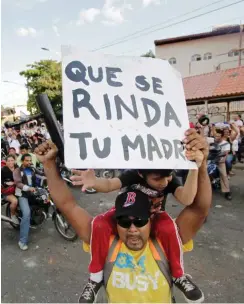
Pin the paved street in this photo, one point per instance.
(54, 270)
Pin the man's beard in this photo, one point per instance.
(134, 242)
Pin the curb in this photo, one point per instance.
(239, 166)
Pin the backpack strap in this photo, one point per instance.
(113, 251)
(161, 259)
(156, 249)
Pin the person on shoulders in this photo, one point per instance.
(188, 222)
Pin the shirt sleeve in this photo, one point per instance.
(174, 184)
(226, 147)
(129, 177)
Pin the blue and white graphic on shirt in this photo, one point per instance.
(28, 173)
(125, 260)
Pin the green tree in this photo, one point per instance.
(149, 54)
(43, 77)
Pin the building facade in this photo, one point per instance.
(220, 49)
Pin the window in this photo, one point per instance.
(196, 57)
(207, 56)
(172, 60)
(233, 53)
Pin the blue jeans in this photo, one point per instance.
(25, 221)
(228, 162)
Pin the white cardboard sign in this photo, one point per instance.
(122, 112)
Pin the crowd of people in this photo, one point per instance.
(230, 138)
(19, 174)
(138, 219)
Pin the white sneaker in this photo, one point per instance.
(22, 246)
(15, 219)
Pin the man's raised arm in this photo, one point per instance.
(192, 217)
(60, 193)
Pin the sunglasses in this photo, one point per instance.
(126, 222)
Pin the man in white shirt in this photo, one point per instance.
(14, 143)
(225, 148)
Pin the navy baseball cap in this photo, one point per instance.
(132, 203)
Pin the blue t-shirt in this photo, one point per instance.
(28, 173)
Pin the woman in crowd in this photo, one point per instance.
(8, 186)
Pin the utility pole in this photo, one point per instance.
(240, 43)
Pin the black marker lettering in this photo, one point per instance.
(157, 112)
(141, 83)
(167, 147)
(179, 148)
(76, 71)
(111, 74)
(157, 85)
(126, 143)
(99, 78)
(170, 115)
(107, 107)
(119, 103)
(83, 103)
(82, 142)
(106, 147)
(152, 146)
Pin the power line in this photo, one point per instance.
(160, 23)
(201, 29)
(170, 25)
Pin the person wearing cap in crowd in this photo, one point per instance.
(188, 222)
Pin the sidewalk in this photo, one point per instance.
(238, 166)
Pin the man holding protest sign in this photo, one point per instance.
(188, 222)
(140, 105)
(157, 184)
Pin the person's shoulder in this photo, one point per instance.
(4, 169)
(173, 185)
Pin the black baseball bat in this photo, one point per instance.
(51, 123)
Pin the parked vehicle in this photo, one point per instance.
(105, 173)
(40, 206)
(215, 154)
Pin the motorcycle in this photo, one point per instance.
(40, 204)
(215, 155)
(66, 173)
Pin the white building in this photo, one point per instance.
(220, 49)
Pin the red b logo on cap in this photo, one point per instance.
(130, 200)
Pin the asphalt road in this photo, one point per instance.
(54, 270)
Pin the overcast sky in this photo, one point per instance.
(28, 25)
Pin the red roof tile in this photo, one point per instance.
(217, 84)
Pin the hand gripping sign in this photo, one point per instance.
(122, 112)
